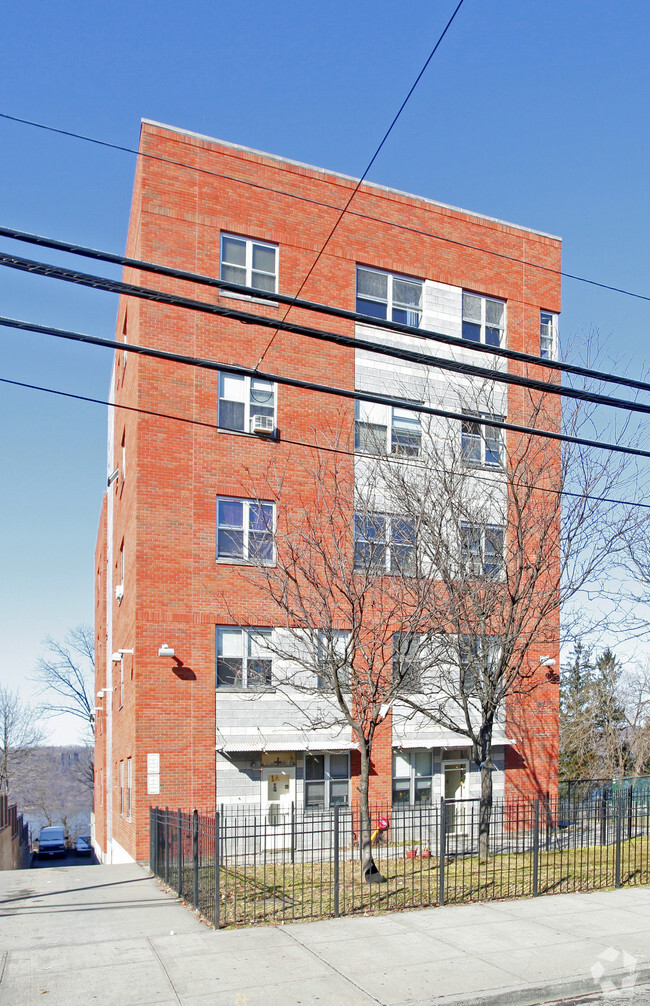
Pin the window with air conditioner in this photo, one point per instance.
(246, 404)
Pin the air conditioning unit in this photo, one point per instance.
(262, 425)
(119, 591)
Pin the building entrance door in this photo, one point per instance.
(455, 776)
(278, 793)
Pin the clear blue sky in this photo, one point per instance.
(536, 113)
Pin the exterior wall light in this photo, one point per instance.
(166, 651)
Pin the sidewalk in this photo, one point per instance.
(72, 936)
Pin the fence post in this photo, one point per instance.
(217, 873)
(151, 839)
(293, 832)
(536, 851)
(167, 845)
(617, 824)
(629, 813)
(336, 861)
(442, 841)
(195, 856)
(179, 857)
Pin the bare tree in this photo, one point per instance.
(66, 674)
(19, 734)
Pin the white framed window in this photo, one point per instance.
(382, 429)
(331, 658)
(384, 543)
(249, 263)
(129, 788)
(412, 777)
(408, 651)
(243, 658)
(392, 298)
(481, 549)
(242, 400)
(121, 789)
(245, 530)
(484, 320)
(548, 341)
(482, 446)
(327, 779)
(479, 656)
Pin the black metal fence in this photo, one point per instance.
(238, 866)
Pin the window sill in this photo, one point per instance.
(231, 295)
(238, 690)
(246, 433)
(226, 560)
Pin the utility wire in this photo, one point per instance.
(295, 382)
(316, 202)
(312, 446)
(263, 321)
(365, 173)
(336, 312)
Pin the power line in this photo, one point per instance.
(393, 326)
(295, 382)
(263, 321)
(312, 446)
(325, 205)
(365, 173)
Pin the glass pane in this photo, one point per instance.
(406, 293)
(262, 392)
(492, 447)
(259, 673)
(339, 766)
(260, 546)
(229, 642)
(494, 313)
(338, 793)
(231, 415)
(373, 308)
(230, 513)
(233, 251)
(315, 794)
(471, 449)
(401, 764)
(372, 284)
(262, 281)
(370, 438)
(471, 332)
(230, 544)
(314, 766)
(471, 307)
(260, 516)
(371, 412)
(405, 443)
(423, 763)
(423, 791)
(229, 672)
(233, 274)
(232, 387)
(258, 640)
(264, 258)
(470, 540)
(406, 317)
(401, 791)
(493, 336)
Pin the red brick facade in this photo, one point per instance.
(157, 530)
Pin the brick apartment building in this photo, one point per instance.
(182, 508)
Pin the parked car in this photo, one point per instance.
(51, 842)
(83, 846)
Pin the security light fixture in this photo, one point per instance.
(547, 661)
(165, 651)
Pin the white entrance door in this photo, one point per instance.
(455, 776)
(278, 793)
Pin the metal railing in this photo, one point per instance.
(239, 867)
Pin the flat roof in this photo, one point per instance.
(347, 178)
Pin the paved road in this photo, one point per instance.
(73, 936)
(72, 859)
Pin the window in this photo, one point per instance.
(482, 446)
(479, 659)
(129, 787)
(384, 543)
(245, 530)
(548, 335)
(332, 659)
(412, 777)
(249, 263)
(393, 298)
(380, 429)
(483, 320)
(241, 399)
(121, 789)
(243, 660)
(481, 549)
(326, 780)
(407, 661)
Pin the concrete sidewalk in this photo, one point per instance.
(71, 936)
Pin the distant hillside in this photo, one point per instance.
(53, 785)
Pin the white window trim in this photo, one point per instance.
(476, 563)
(246, 638)
(411, 753)
(248, 408)
(390, 305)
(129, 788)
(246, 557)
(327, 780)
(249, 242)
(553, 321)
(387, 541)
(480, 417)
(484, 299)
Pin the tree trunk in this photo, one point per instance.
(369, 871)
(485, 805)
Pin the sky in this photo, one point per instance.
(535, 113)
